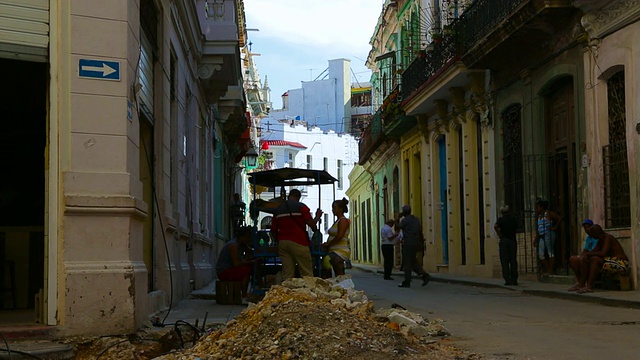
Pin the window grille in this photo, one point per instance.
(614, 156)
(513, 172)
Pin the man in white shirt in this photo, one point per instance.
(388, 242)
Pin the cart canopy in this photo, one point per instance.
(290, 177)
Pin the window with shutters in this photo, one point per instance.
(148, 56)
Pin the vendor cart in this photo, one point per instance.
(265, 248)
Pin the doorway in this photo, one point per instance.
(23, 134)
(560, 152)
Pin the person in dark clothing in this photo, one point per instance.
(237, 209)
(506, 227)
(608, 256)
(412, 241)
(236, 261)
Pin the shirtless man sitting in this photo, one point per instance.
(608, 257)
(575, 261)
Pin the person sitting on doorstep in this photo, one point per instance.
(575, 260)
(608, 257)
(235, 262)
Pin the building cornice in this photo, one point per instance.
(599, 24)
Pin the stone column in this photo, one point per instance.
(102, 277)
(470, 175)
(453, 206)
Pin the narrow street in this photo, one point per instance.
(503, 324)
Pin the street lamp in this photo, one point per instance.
(252, 157)
(214, 9)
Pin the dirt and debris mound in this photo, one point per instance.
(142, 345)
(312, 318)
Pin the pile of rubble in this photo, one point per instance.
(312, 318)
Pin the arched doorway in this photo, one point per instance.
(560, 151)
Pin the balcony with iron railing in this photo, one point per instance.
(429, 64)
(488, 35)
(489, 31)
(394, 120)
(370, 138)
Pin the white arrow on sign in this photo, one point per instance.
(105, 69)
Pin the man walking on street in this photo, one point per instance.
(412, 242)
(506, 227)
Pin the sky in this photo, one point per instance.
(297, 38)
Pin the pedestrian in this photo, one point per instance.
(237, 209)
(337, 245)
(590, 244)
(548, 224)
(399, 238)
(289, 227)
(607, 257)
(506, 227)
(388, 240)
(236, 261)
(412, 242)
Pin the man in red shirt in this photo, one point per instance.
(289, 227)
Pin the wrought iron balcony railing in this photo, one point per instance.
(481, 17)
(391, 106)
(428, 64)
(370, 136)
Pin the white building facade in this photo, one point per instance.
(325, 102)
(296, 146)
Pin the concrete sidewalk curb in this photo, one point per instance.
(592, 298)
(586, 298)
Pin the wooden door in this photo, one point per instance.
(560, 149)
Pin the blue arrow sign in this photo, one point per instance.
(99, 69)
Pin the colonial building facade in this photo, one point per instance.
(133, 111)
(611, 52)
(491, 111)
